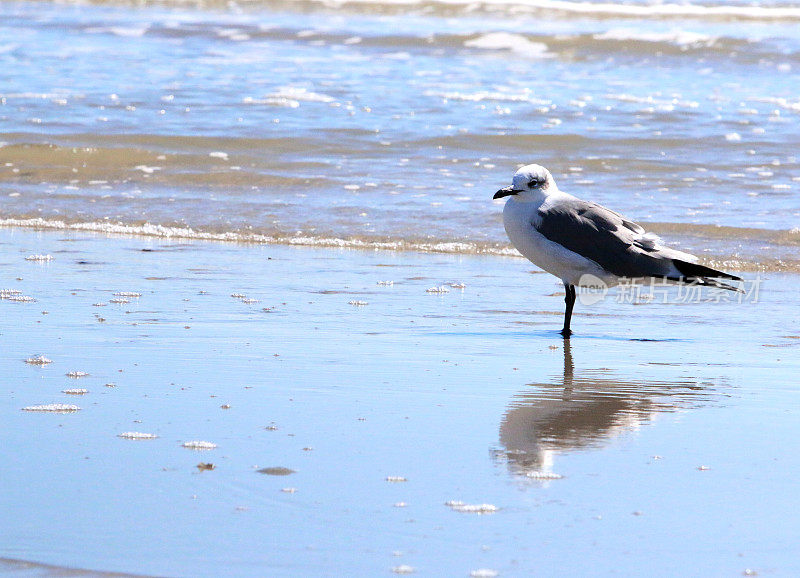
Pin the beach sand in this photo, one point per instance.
(364, 425)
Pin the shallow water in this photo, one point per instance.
(660, 436)
(378, 123)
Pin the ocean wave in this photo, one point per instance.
(489, 95)
(188, 233)
(122, 31)
(733, 261)
(289, 96)
(567, 8)
(677, 37)
(666, 10)
(658, 103)
(505, 41)
(785, 103)
(728, 41)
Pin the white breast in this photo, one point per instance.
(518, 219)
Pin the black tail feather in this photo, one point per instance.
(693, 270)
(705, 282)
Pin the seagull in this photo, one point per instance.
(584, 244)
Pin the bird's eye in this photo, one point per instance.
(533, 183)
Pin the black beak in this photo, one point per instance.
(506, 191)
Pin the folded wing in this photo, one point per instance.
(618, 245)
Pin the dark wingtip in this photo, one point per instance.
(694, 270)
(706, 282)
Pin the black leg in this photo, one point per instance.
(570, 301)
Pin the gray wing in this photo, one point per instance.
(604, 237)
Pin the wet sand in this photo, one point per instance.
(364, 425)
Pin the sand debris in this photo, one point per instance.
(358, 303)
(386, 283)
(276, 471)
(75, 391)
(396, 479)
(77, 374)
(459, 506)
(21, 299)
(15, 295)
(136, 435)
(244, 298)
(203, 466)
(53, 407)
(199, 445)
(38, 360)
(288, 490)
(40, 258)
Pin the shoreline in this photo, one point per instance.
(148, 230)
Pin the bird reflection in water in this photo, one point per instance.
(575, 412)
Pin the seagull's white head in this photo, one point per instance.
(531, 181)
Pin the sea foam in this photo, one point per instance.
(506, 41)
